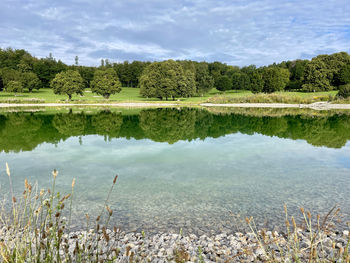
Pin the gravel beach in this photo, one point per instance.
(164, 247)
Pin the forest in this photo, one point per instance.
(22, 72)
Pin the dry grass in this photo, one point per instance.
(270, 98)
(23, 101)
(295, 246)
(37, 231)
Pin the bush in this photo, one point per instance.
(344, 91)
(223, 83)
(14, 86)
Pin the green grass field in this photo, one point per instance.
(132, 95)
(126, 95)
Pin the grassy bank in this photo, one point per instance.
(278, 97)
(132, 95)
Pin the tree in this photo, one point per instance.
(316, 77)
(217, 69)
(76, 59)
(10, 58)
(322, 71)
(166, 79)
(126, 74)
(47, 68)
(107, 123)
(136, 68)
(343, 77)
(223, 83)
(70, 124)
(297, 72)
(1, 83)
(30, 81)
(68, 82)
(105, 83)
(87, 73)
(168, 125)
(19, 132)
(240, 81)
(256, 82)
(187, 85)
(275, 79)
(9, 74)
(14, 86)
(204, 82)
(344, 91)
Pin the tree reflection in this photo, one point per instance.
(24, 131)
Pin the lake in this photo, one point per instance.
(179, 168)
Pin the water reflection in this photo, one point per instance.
(184, 168)
(24, 131)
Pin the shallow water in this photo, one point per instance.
(185, 168)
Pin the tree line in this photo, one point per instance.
(24, 131)
(171, 79)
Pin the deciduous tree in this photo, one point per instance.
(240, 81)
(68, 82)
(223, 83)
(275, 79)
(30, 81)
(14, 86)
(204, 82)
(256, 82)
(166, 79)
(105, 83)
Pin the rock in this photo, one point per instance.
(338, 245)
(161, 247)
(259, 252)
(327, 242)
(169, 251)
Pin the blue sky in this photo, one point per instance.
(237, 32)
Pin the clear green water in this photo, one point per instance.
(186, 168)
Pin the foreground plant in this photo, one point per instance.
(308, 242)
(34, 228)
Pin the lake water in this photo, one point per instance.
(184, 168)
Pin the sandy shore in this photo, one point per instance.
(314, 106)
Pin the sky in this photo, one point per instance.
(236, 32)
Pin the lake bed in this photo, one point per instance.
(186, 169)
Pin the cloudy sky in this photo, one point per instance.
(238, 32)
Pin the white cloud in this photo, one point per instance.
(238, 32)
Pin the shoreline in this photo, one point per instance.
(122, 104)
(313, 106)
(261, 246)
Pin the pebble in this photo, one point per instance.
(166, 247)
